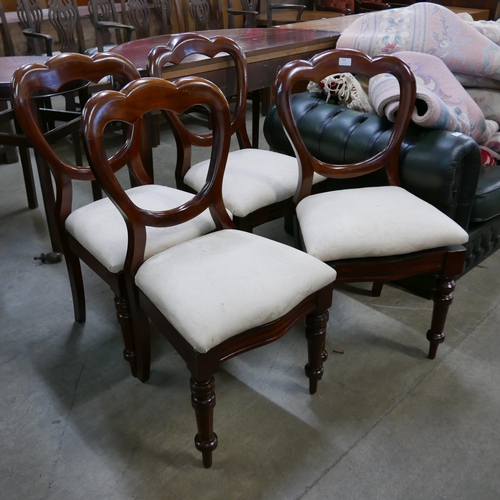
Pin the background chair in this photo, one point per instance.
(8, 46)
(249, 13)
(30, 17)
(104, 17)
(272, 7)
(137, 14)
(64, 17)
(258, 184)
(169, 13)
(206, 14)
(375, 234)
(10, 136)
(218, 295)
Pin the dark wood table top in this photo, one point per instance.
(7, 67)
(259, 44)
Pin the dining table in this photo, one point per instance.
(266, 50)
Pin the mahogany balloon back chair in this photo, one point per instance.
(217, 295)
(373, 234)
(258, 184)
(96, 233)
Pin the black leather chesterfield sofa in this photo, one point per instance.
(440, 167)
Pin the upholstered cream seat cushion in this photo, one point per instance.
(99, 227)
(254, 178)
(224, 283)
(373, 222)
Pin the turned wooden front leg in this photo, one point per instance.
(203, 401)
(442, 301)
(125, 321)
(316, 337)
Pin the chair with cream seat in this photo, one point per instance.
(373, 234)
(218, 295)
(95, 233)
(258, 184)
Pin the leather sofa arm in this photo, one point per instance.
(438, 166)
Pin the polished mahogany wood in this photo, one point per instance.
(130, 105)
(51, 76)
(447, 262)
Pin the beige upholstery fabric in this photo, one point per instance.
(254, 178)
(224, 283)
(100, 228)
(373, 222)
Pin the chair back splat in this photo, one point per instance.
(213, 296)
(375, 234)
(258, 185)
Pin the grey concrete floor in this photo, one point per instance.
(386, 423)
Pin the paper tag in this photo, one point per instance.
(345, 61)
